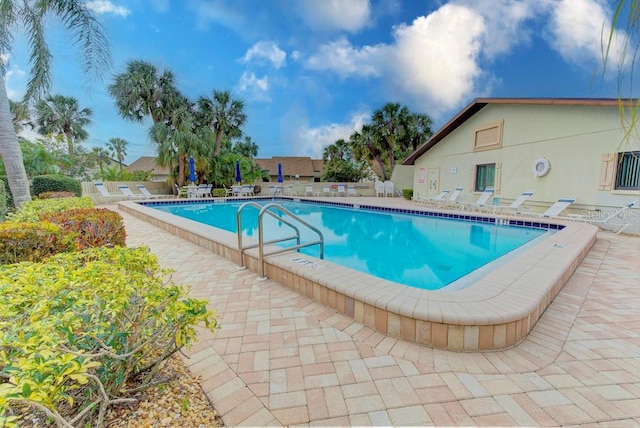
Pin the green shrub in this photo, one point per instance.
(8, 193)
(92, 227)
(219, 193)
(3, 199)
(55, 195)
(32, 241)
(56, 183)
(87, 330)
(31, 210)
(407, 194)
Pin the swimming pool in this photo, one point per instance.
(496, 311)
(415, 250)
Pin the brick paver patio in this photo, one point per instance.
(283, 359)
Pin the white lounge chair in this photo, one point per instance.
(326, 191)
(609, 219)
(129, 194)
(436, 199)
(143, 190)
(308, 189)
(105, 194)
(181, 191)
(453, 199)
(486, 194)
(342, 191)
(247, 190)
(514, 207)
(388, 188)
(557, 208)
(351, 191)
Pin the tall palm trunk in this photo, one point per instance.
(11, 153)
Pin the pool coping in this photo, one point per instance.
(496, 312)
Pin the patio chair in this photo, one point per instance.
(486, 194)
(326, 191)
(515, 205)
(181, 191)
(388, 188)
(143, 190)
(247, 190)
(379, 188)
(557, 208)
(342, 191)
(129, 194)
(351, 191)
(204, 190)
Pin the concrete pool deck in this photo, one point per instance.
(496, 311)
(283, 359)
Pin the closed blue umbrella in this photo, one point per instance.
(280, 179)
(192, 169)
(238, 173)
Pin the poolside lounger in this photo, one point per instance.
(557, 208)
(515, 205)
(181, 191)
(308, 189)
(623, 223)
(342, 191)
(143, 190)
(106, 195)
(351, 191)
(440, 197)
(453, 199)
(481, 202)
(129, 194)
(326, 191)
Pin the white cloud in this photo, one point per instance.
(345, 60)
(580, 30)
(15, 81)
(105, 6)
(341, 15)
(268, 51)
(312, 141)
(254, 88)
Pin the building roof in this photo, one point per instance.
(292, 165)
(147, 163)
(479, 103)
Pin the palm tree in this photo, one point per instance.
(118, 149)
(390, 125)
(224, 115)
(366, 147)
(58, 114)
(101, 157)
(19, 116)
(140, 91)
(30, 17)
(178, 138)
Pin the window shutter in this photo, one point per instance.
(472, 174)
(607, 166)
(498, 178)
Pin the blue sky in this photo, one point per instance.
(312, 71)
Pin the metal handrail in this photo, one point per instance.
(266, 209)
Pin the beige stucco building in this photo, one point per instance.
(554, 147)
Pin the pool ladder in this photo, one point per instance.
(268, 210)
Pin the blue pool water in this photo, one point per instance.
(418, 251)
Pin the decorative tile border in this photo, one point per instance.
(496, 312)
